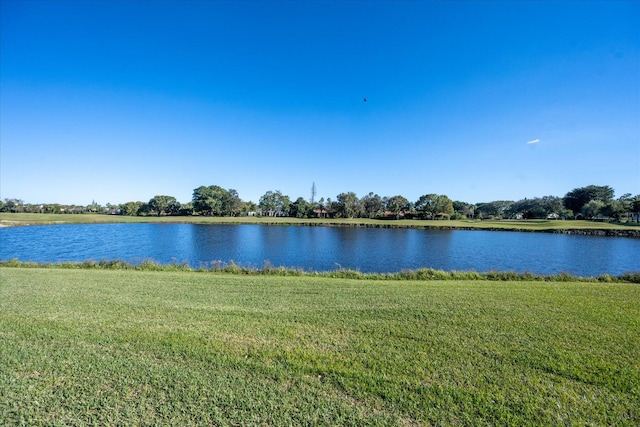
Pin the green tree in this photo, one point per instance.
(52, 208)
(144, 210)
(274, 203)
(593, 209)
(555, 206)
(347, 205)
(614, 209)
(426, 205)
(247, 208)
(13, 205)
(130, 208)
(167, 205)
(301, 208)
(626, 202)
(431, 205)
(495, 209)
(538, 207)
(186, 209)
(233, 203)
(215, 200)
(329, 206)
(31, 208)
(577, 198)
(463, 209)
(397, 205)
(372, 205)
(173, 206)
(635, 208)
(444, 206)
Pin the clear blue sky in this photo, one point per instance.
(118, 101)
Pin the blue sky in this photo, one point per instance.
(118, 101)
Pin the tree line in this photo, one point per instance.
(590, 202)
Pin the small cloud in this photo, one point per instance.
(533, 141)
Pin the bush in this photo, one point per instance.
(632, 277)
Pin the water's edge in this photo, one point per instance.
(421, 274)
(601, 232)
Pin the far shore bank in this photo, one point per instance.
(576, 227)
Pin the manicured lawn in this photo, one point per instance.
(530, 225)
(116, 347)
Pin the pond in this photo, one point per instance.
(324, 248)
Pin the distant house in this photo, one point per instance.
(397, 215)
(270, 212)
(321, 213)
(443, 215)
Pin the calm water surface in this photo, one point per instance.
(324, 248)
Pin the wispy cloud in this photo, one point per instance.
(533, 141)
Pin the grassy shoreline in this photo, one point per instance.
(553, 226)
(421, 274)
(112, 347)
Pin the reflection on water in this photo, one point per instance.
(324, 248)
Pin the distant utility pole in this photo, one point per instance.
(313, 192)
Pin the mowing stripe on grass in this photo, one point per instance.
(90, 346)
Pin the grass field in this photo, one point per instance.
(526, 225)
(121, 347)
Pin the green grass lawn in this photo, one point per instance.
(530, 225)
(121, 347)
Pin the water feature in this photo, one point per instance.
(324, 248)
